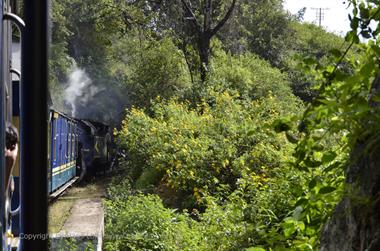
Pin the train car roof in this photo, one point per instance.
(62, 114)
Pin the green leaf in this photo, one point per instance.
(332, 166)
(368, 68)
(305, 247)
(328, 157)
(313, 183)
(289, 229)
(255, 249)
(352, 37)
(354, 23)
(301, 201)
(336, 53)
(364, 12)
(327, 189)
(281, 125)
(302, 168)
(250, 133)
(310, 61)
(312, 163)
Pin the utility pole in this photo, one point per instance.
(320, 14)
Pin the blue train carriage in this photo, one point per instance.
(63, 150)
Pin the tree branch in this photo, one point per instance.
(193, 18)
(224, 20)
(207, 15)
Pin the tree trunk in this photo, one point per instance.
(204, 32)
(204, 55)
(355, 223)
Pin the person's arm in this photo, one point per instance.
(11, 150)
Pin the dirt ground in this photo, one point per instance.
(59, 209)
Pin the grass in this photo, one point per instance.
(59, 210)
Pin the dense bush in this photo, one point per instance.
(143, 223)
(201, 150)
(218, 157)
(250, 76)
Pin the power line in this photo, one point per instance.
(320, 14)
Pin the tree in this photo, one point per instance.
(204, 32)
(261, 27)
(193, 24)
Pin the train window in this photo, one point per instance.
(55, 124)
(76, 143)
(59, 128)
(68, 141)
(72, 142)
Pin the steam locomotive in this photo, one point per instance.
(53, 148)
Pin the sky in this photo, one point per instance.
(335, 15)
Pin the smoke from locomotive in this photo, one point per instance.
(80, 90)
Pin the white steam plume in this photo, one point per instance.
(79, 90)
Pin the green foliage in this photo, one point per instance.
(268, 29)
(314, 44)
(150, 68)
(60, 62)
(343, 115)
(200, 150)
(261, 27)
(251, 77)
(220, 153)
(142, 223)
